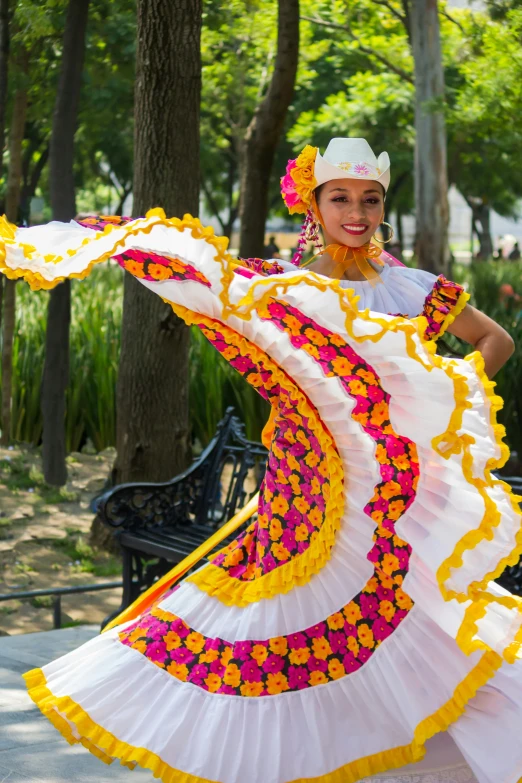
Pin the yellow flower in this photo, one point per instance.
(276, 683)
(336, 621)
(159, 272)
(251, 689)
(278, 645)
(336, 669)
(179, 670)
(232, 675)
(299, 656)
(387, 609)
(195, 642)
(213, 682)
(352, 612)
(317, 678)
(301, 532)
(321, 648)
(365, 635)
(259, 653)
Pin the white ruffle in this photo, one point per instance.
(304, 733)
(403, 290)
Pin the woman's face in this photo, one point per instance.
(352, 210)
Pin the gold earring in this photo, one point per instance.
(385, 241)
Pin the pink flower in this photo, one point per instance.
(296, 641)
(316, 630)
(381, 629)
(387, 472)
(157, 651)
(274, 664)
(250, 672)
(364, 654)
(369, 606)
(394, 446)
(291, 165)
(351, 664)
(337, 641)
(375, 393)
(198, 673)
(179, 627)
(216, 667)
(242, 650)
(316, 664)
(181, 655)
(269, 563)
(361, 169)
(297, 677)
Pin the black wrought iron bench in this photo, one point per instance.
(158, 525)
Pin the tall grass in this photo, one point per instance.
(95, 345)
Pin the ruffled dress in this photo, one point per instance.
(354, 624)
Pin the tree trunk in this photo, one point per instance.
(63, 204)
(431, 182)
(14, 180)
(4, 65)
(481, 216)
(264, 131)
(153, 434)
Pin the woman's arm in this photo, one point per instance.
(483, 333)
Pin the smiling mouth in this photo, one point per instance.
(356, 229)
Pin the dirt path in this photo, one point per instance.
(44, 540)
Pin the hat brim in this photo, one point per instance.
(325, 172)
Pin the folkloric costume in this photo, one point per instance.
(355, 622)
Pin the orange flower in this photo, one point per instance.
(403, 599)
(299, 656)
(276, 529)
(342, 366)
(179, 670)
(387, 609)
(323, 468)
(311, 459)
(208, 656)
(321, 648)
(315, 517)
(262, 521)
(251, 689)
(259, 653)
(352, 645)
(232, 675)
(368, 377)
(358, 388)
(255, 379)
(134, 267)
(195, 642)
(336, 669)
(301, 505)
(315, 486)
(336, 621)
(280, 476)
(311, 350)
(213, 682)
(337, 340)
(352, 612)
(176, 265)
(140, 645)
(316, 337)
(365, 634)
(279, 505)
(276, 683)
(301, 437)
(293, 463)
(390, 563)
(390, 490)
(293, 324)
(278, 645)
(395, 509)
(371, 585)
(159, 272)
(230, 352)
(136, 634)
(227, 655)
(301, 532)
(381, 456)
(317, 678)
(172, 640)
(379, 413)
(377, 516)
(280, 552)
(234, 558)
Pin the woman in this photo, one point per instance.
(355, 624)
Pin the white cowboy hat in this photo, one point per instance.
(351, 159)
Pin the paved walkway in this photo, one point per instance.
(30, 747)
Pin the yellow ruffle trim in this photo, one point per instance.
(62, 711)
(153, 217)
(298, 571)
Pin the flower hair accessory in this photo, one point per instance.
(299, 183)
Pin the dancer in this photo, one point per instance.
(353, 631)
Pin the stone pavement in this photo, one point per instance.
(30, 747)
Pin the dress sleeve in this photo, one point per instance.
(442, 305)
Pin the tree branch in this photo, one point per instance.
(393, 11)
(212, 203)
(451, 19)
(364, 49)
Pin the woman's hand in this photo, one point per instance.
(483, 333)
